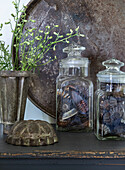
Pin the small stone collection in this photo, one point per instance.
(73, 110)
(112, 111)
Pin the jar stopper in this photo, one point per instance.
(113, 64)
(74, 49)
(112, 73)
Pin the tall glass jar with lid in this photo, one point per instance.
(110, 102)
(74, 98)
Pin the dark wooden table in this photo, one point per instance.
(73, 151)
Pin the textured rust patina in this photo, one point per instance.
(103, 23)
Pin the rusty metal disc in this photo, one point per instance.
(103, 23)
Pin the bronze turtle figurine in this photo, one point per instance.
(32, 133)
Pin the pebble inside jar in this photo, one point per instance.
(110, 102)
(74, 92)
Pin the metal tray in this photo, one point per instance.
(103, 23)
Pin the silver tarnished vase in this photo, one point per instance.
(13, 94)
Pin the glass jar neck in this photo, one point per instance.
(106, 87)
(74, 71)
(109, 87)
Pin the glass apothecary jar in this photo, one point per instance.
(110, 102)
(74, 98)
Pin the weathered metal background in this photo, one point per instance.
(103, 23)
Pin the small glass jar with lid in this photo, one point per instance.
(74, 98)
(110, 102)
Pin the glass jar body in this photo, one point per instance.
(110, 111)
(74, 103)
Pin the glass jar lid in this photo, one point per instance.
(74, 58)
(112, 72)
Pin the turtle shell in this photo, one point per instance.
(32, 133)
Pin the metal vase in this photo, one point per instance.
(13, 94)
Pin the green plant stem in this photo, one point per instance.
(30, 54)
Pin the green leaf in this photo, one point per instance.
(13, 2)
(0, 34)
(54, 48)
(71, 31)
(50, 37)
(48, 26)
(31, 34)
(68, 34)
(56, 25)
(40, 31)
(28, 43)
(7, 22)
(32, 20)
(37, 38)
(19, 25)
(55, 33)
(77, 28)
(81, 35)
(67, 41)
(41, 46)
(1, 26)
(30, 30)
(25, 20)
(13, 15)
(46, 33)
(61, 36)
(40, 37)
